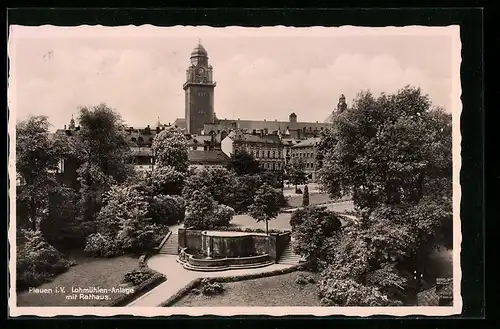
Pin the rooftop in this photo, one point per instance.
(251, 138)
(310, 142)
(216, 156)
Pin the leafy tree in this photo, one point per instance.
(312, 229)
(242, 193)
(265, 204)
(103, 152)
(36, 162)
(122, 224)
(305, 197)
(203, 212)
(167, 209)
(390, 150)
(170, 149)
(394, 154)
(217, 181)
(61, 227)
(296, 172)
(167, 180)
(244, 163)
(359, 273)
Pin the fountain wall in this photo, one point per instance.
(236, 244)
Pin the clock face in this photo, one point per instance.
(201, 71)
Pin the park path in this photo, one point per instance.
(178, 277)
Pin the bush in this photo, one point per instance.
(37, 262)
(301, 279)
(142, 262)
(313, 229)
(203, 212)
(138, 276)
(167, 209)
(223, 215)
(310, 279)
(208, 287)
(99, 245)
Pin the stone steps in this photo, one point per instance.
(188, 266)
(288, 257)
(171, 245)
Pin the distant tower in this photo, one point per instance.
(199, 89)
(342, 105)
(292, 117)
(71, 123)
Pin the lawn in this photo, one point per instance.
(280, 290)
(87, 273)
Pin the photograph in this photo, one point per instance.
(194, 170)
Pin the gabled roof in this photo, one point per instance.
(215, 156)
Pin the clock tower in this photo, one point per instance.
(199, 91)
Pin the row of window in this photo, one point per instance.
(272, 165)
(264, 153)
(303, 155)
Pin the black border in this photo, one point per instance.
(472, 180)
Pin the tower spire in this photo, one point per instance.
(72, 123)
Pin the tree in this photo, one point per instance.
(389, 150)
(122, 223)
(296, 172)
(167, 180)
(244, 163)
(242, 193)
(167, 209)
(170, 149)
(218, 181)
(312, 229)
(265, 204)
(36, 162)
(305, 197)
(61, 228)
(104, 155)
(203, 212)
(393, 153)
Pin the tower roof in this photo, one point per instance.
(199, 51)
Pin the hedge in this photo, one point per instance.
(196, 282)
(143, 288)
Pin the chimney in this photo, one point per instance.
(64, 127)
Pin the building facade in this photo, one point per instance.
(306, 151)
(266, 149)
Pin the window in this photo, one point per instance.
(268, 154)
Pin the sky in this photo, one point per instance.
(261, 73)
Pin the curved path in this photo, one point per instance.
(178, 277)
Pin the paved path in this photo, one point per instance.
(178, 277)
